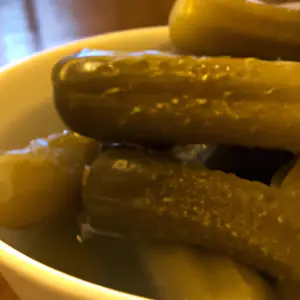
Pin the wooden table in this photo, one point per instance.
(28, 26)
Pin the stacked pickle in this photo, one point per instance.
(196, 150)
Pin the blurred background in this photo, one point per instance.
(28, 26)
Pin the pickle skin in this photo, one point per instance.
(43, 179)
(292, 178)
(235, 28)
(135, 194)
(157, 98)
(288, 176)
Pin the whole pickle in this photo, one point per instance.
(43, 179)
(236, 28)
(140, 194)
(157, 98)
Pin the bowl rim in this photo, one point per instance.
(51, 278)
(27, 267)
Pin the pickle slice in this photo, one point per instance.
(43, 179)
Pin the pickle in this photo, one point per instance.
(254, 164)
(145, 195)
(292, 179)
(235, 28)
(287, 174)
(183, 273)
(156, 98)
(43, 179)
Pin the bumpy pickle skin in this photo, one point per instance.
(141, 195)
(43, 179)
(157, 98)
(235, 28)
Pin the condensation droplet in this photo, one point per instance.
(201, 101)
(204, 77)
(167, 200)
(135, 110)
(280, 220)
(234, 234)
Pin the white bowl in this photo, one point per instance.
(27, 112)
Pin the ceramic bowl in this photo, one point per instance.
(46, 262)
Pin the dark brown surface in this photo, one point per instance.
(28, 26)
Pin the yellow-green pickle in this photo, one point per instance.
(184, 273)
(236, 28)
(155, 98)
(143, 194)
(44, 178)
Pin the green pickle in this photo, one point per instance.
(236, 28)
(145, 195)
(183, 273)
(292, 178)
(152, 97)
(43, 179)
(286, 174)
